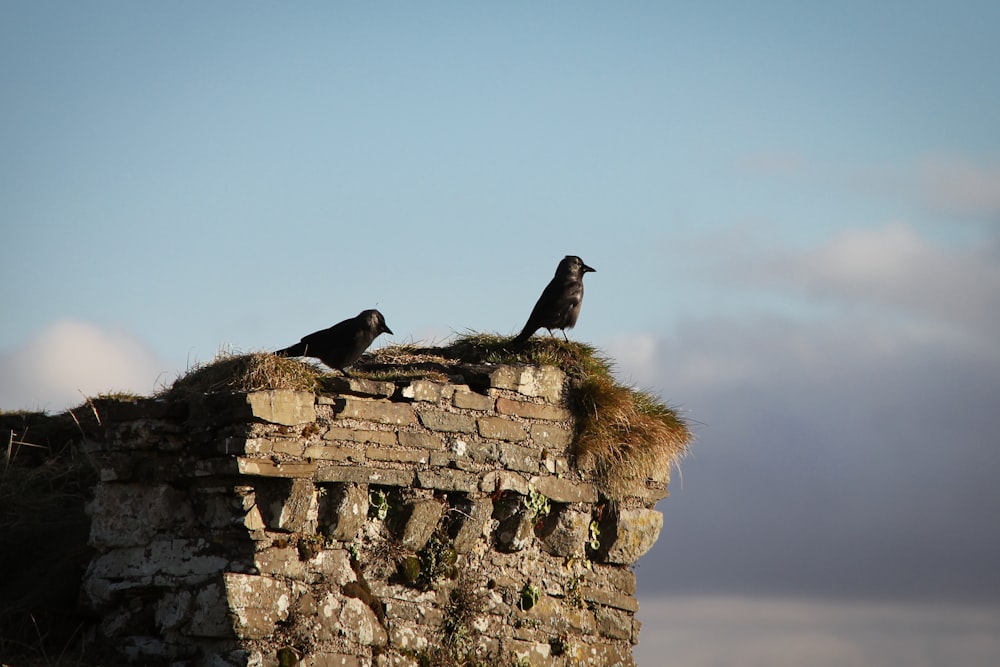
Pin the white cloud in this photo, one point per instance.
(69, 360)
(891, 267)
(767, 632)
(956, 185)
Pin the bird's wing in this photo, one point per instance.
(339, 331)
(569, 300)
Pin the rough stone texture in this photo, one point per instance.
(419, 439)
(543, 381)
(282, 406)
(131, 514)
(422, 518)
(387, 438)
(366, 475)
(257, 604)
(552, 435)
(564, 490)
(474, 516)
(424, 390)
(247, 529)
(346, 511)
(634, 533)
(565, 533)
(375, 411)
(506, 406)
(451, 422)
(361, 387)
(470, 400)
(498, 428)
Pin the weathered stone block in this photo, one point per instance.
(515, 532)
(565, 533)
(499, 428)
(288, 447)
(469, 400)
(331, 566)
(614, 623)
(387, 438)
(447, 480)
(422, 517)
(323, 659)
(335, 453)
(257, 603)
(282, 406)
(374, 411)
(564, 490)
(480, 452)
(266, 468)
(503, 480)
(288, 506)
(552, 436)
(210, 613)
(420, 439)
(451, 422)
(424, 390)
(358, 387)
(408, 637)
(248, 446)
(398, 455)
(609, 598)
(281, 561)
(474, 515)
(527, 410)
(358, 622)
(343, 510)
(179, 558)
(519, 458)
(539, 381)
(632, 534)
(533, 653)
(365, 475)
(131, 514)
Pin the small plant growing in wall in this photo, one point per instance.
(538, 504)
(594, 535)
(530, 595)
(378, 504)
(435, 561)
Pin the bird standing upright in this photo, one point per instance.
(559, 305)
(343, 343)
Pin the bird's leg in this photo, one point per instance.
(565, 337)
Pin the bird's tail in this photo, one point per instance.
(297, 350)
(521, 338)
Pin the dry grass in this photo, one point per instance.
(254, 371)
(44, 484)
(628, 436)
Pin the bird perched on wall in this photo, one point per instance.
(559, 305)
(343, 343)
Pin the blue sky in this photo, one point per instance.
(793, 209)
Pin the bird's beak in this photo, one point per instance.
(587, 268)
(386, 329)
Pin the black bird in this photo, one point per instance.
(343, 343)
(559, 305)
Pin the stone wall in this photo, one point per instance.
(414, 523)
